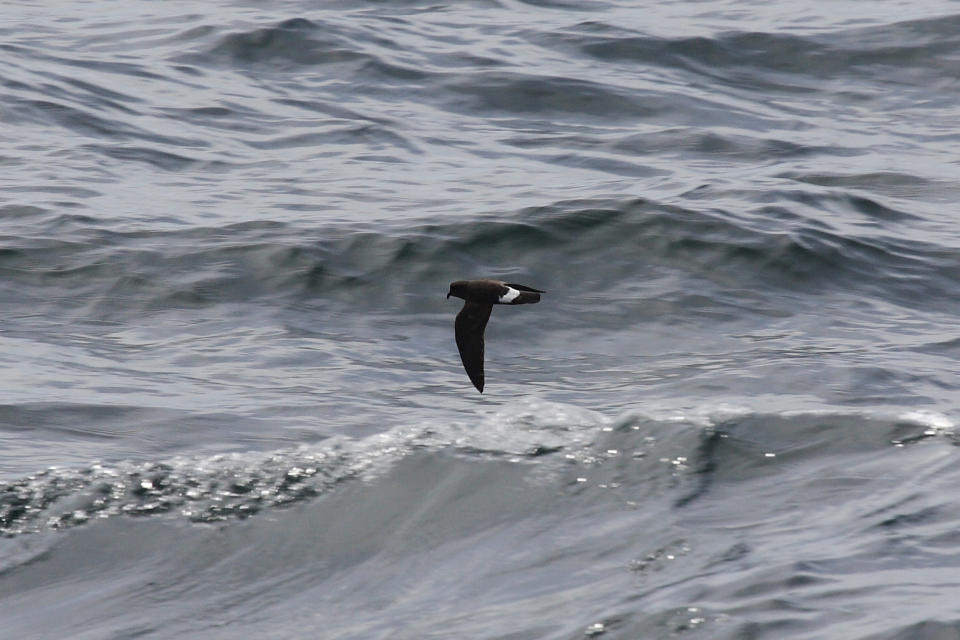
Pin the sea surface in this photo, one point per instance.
(231, 405)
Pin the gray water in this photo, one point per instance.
(231, 402)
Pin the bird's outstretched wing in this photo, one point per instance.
(471, 321)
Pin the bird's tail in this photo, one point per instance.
(525, 298)
(528, 295)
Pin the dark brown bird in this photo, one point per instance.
(479, 297)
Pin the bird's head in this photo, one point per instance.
(458, 289)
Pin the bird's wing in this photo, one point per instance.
(471, 321)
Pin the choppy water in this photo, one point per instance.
(231, 401)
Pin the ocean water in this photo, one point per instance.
(231, 403)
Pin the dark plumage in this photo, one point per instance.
(479, 297)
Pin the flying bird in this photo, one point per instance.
(479, 297)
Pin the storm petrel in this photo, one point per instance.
(479, 297)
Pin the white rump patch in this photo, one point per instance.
(510, 295)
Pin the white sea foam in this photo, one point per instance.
(931, 419)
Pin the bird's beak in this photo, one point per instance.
(448, 296)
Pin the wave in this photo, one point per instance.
(73, 261)
(207, 489)
(886, 53)
(683, 452)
